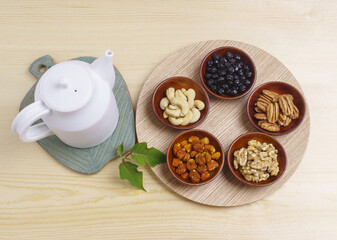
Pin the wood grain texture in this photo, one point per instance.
(89, 160)
(42, 199)
(227, 119)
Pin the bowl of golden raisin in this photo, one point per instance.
(195, 157)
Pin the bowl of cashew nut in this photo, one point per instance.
(180, 103)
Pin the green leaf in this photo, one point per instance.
(120, 149)
(129, 171)
(143, 155)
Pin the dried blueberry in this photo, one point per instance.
(210, 82)
(246, 82)
(215, 76)
(221, 91)
(236, 77)
(216, 57)
(210, 63)
(228, 91)
(240, 72)
(230, 77)
(222, 72)
(231, 69)
(242, 88)
(207, 76)
(234, 92)
(221, 80)
(213, 88)
(209, 70)
(237, 57)
(230, 83)
(249, 74)
(237, 82)
(225, 86)
(246, 67)
(229, 55)
(223, 60)
(220, 66)
(231, 60)
(214, 70)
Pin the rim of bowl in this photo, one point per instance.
(190, 183)
(275, 133)
(203, 62)
(230, 165)
(179, 127)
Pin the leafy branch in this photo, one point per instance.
(141, 154)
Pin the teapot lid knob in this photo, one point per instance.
(66, 87)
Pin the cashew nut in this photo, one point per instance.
(173, 112)
(187, 119)
(199, 104)
(196, 115)
(170, 93)
(182, 104)
(165, 115)
(173, 107)
(190, 94)
(179, 93)
(175, 121)
(164, 103)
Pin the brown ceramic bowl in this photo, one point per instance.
(222, 51)
(178, 83)
(200, 133)
(281, 88)
(242, 141)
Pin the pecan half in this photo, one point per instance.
(271, 127)
(260, 116)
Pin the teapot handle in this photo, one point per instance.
(22, 123)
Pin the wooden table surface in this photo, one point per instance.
(42, 199)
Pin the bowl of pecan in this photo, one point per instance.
(257, 159)
(195, 157)
(276, 108)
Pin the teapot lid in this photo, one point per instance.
(66, 87)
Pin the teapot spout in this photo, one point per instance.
(103, 66)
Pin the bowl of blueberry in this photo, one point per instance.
(228, 73)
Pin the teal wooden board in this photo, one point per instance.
(89, 160)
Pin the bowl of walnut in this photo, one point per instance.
(276, 108)
(257, 159)
(195, 157)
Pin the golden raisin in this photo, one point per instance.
(207, 156)
(198, 146)
(205, 140)
(205, 175)
(195, 176)
(193, 138)
(188, 147)
(176, 147)
(184, 175)
(181, 153)
(209, 148)
(193, 153)
(183, 143)
(211, 165)
(200, 159)
(181, 168)
(186, 157)
(201, 168)
(191, 164)
(176, 162)
(216, 155)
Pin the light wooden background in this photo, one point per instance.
(42, 199)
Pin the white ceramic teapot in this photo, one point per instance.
(76, 103)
